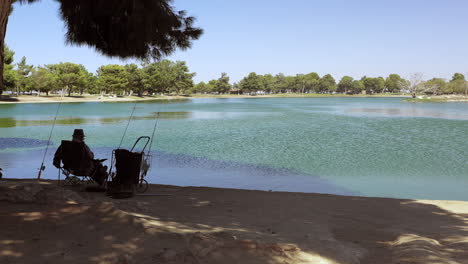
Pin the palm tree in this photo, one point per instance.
(126, 28)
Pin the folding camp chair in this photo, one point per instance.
(130, 168)
(75, 164)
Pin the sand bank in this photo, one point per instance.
(45, 224)
(94, 98)
(79, 99)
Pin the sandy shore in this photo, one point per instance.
(42, 223)
(93, 98)
(78, 99)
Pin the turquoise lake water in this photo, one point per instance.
(380, 147)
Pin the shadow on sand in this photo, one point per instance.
(6, 98)
(237, 226)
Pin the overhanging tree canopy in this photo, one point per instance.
(119, 28)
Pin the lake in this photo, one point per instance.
(379, 147)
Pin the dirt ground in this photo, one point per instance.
(42, 223)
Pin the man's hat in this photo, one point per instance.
(78, 133)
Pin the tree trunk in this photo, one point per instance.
(466, 88)
(5, 7)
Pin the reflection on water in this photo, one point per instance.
(155, 101)
(407, 112)
(13, 122)
(172, 115)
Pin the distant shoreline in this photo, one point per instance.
(93, 98)
(26, 99)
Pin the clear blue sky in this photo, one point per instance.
(340, 37)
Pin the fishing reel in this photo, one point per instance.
(41, 169)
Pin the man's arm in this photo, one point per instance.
(88, 151)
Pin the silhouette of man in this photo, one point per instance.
(89, 166)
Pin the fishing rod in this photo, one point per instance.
(154, 130)
(128, 124)
(125, 132)
(150, 156)
(42, 168)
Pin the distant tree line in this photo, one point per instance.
(168, 77)
(70, 78)
(313, 83)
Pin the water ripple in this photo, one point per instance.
(6, 143)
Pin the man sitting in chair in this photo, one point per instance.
(86, 165)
